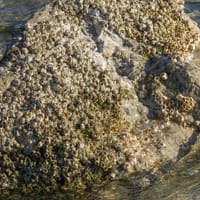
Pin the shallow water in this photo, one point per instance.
(13, 14)
(193, 10)
(179, 182)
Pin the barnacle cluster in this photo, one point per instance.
(59, 108)
(158, 26)
(186, 103)
(173, 108)
(170, 103)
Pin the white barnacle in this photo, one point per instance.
(164, 76)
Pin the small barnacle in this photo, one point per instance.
(196, 123)
(157, 80)
(168, 104)
(163, 76)
(145, 139)
(171, 113)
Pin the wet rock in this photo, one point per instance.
(86, 103)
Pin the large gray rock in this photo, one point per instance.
(82, 103)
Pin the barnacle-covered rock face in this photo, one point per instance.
(156, 29)
(75, 95)
(169, 92)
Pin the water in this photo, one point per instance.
(13, 14)
(193, 9)
(180, 181)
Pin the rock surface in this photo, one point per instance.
(97, 91)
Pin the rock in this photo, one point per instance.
(86, 103)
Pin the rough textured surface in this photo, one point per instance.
(81, 104)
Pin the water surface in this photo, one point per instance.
(13, 14)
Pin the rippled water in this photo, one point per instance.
(193, 9)
(182, 181)
(13, 14)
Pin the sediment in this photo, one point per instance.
(97, 91)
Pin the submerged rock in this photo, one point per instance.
(82, 103)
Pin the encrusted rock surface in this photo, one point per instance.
(82, 103)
